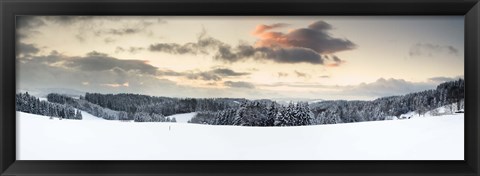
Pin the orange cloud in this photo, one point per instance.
(315, 37)
(262, 28)
(335, 64)
(270, 39)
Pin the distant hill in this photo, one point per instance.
(43, 92)
(262, 112)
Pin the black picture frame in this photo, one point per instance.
(9, 9)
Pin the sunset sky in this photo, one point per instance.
(320, 57)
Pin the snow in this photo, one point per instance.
(428, 138)
(88, 116)
(183, 118)
(316, 101)
(443, 110)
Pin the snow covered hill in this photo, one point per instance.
(183, 118)
(88, 116)
(443, 110)
(429, 138)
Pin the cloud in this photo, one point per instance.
(69, 20)
(173, 48)
(201, 46)
(28, 22)
(278, 55)
(26, 49)
(109, 40)
(388, 87)
(214, 75)
(300, 74)
(131, 50)
(382, 87)
(320, 26)
(282, 74)
(304, 45)
(262, 28)
(300, 85)
(135, 29)
(27, 26)
(314, 37)
(430, 50)
(124, 76)
(290, 55)
(335, 61)
(123, 31)
(226, 53)
(228, 72)
(95, 61)
(116, 85)
(239, 84)
(87, 27)
(363, 91)
(116, 32)
(119, 49)
(166, 72)
(442, 79)
(51, 71)
(206, 76)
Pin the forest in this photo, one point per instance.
(30, 104)
(330, 112)
(243, 112)
(254, 113)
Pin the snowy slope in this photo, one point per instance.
(183, 118)
(88, 116)
(444, 110)
(429, 138)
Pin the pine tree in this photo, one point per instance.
(78, 115)
(271, 114)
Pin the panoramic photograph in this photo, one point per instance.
(240, 87)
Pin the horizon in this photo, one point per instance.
(314, 57)
(285, 100)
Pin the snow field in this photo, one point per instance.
(429, 138)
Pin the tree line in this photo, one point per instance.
(166, 106)
(107, 113)
(243, 112)
(30, 104)
(341, 111)
(259, 113)
(265, 113)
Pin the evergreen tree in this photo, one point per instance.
(78, 115)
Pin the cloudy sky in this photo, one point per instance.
(321, 57)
